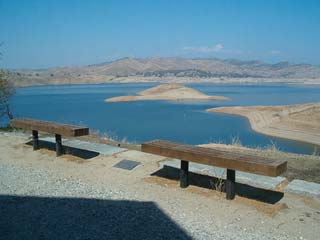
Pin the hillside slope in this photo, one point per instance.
(170, 69)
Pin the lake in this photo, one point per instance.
(185, 122)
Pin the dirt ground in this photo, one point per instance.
(167, 91)
(200, 211)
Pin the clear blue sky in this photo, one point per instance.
(39, 34)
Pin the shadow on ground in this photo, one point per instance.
(204, 181)
(81, 153)
(77, 218)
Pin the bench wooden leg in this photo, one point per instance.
(184, 172)
(35, 139)
(231, 184)
(58, 145)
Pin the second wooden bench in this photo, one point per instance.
(214, 157)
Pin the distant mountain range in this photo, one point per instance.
(170, 69)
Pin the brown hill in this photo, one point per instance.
(171, 70)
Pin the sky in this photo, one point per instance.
(52, 33)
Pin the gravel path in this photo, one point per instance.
(68, 208)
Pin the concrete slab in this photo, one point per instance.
(127, 164)
(264, 182)
(305, 188)
(140, 156)
(16, 134)
(103, 149)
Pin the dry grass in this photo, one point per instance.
(235, 141)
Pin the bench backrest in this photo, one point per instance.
(50, 127)
(214, 157)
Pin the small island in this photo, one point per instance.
(173, 92)
(299, 122)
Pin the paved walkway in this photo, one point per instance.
(104, 149)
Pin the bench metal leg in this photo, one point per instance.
(58, 145)
(184, 172)
(35, 139)
(231, 184)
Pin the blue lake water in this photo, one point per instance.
(185, 122)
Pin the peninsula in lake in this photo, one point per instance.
(299, 122)
(174, 92)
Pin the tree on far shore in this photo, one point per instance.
(6, 91)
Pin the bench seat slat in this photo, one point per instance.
(50, 127)
(217, 153)
(214, 157)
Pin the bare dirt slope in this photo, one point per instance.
(167, 92)
(171, 70)
(299, 122)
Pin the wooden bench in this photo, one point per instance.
(50, 127)
(219, 158)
